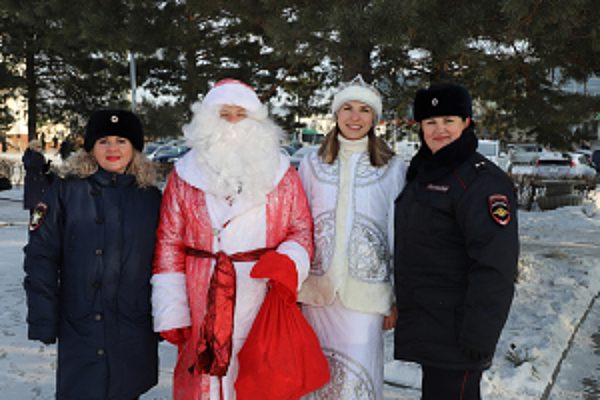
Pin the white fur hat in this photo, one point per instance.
(233, 92)
(358, 90)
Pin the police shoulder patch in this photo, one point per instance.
(499, 209)
(37, 216)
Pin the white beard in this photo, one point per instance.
(239, 160)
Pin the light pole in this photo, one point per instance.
(132, 79)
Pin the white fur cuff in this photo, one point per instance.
(170, 307)
(299, 256)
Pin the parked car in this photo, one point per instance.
(161, 146)
(581, 166)
(523, 153)
(292, 147)
(170, 154)
(300, 154)
(491, 150)
(556, 179)
(150, 148)
(553, 165)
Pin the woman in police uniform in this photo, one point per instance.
(456, 250)
(88, 265)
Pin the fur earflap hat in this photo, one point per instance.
(114, 123)
(233, 92)
(442, 100)
(358, 90)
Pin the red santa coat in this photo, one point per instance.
(192, 217)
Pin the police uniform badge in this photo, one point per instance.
(499, 209)
(37, 216)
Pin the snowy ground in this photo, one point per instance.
(559, 278)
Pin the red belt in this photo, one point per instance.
(215, 343)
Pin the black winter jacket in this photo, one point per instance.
(456, 252)
(88, 265)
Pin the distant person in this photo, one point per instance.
(66, 147)
(37, 175)
(3, 143)
(88, 265)
(5, 175)
(351, 183)
(456, 250)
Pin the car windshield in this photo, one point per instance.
(170, 151)
(150, 147)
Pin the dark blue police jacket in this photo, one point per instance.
(88, 265)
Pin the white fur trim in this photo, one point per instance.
(233, 93)
(357, 93)
(170, 307)
(299, 256)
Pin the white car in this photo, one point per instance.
(556, 165)
(581, 166)
(491, 150)
(524, 153)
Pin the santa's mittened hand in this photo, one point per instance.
(176, 336)
(277, 267)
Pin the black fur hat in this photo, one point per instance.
(114, 123)
(440, 100)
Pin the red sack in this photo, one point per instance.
(281, 358)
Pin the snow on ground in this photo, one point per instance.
(559, 277)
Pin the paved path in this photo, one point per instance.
(578, 377)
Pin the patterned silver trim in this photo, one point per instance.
(366, 174)
(326, 173)
(324, 242)
(349, 380)
(368, 253)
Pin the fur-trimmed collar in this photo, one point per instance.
(82, 164)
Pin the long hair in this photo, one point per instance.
(379, 151)
(83, 164)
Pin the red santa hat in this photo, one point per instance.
(233, 92)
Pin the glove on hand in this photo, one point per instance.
(48, 341)
(176, 336)
(474, 355)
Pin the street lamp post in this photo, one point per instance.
(132, 79)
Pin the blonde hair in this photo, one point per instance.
(83, 164)
(379, 151)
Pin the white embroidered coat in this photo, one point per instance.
(367, 286)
